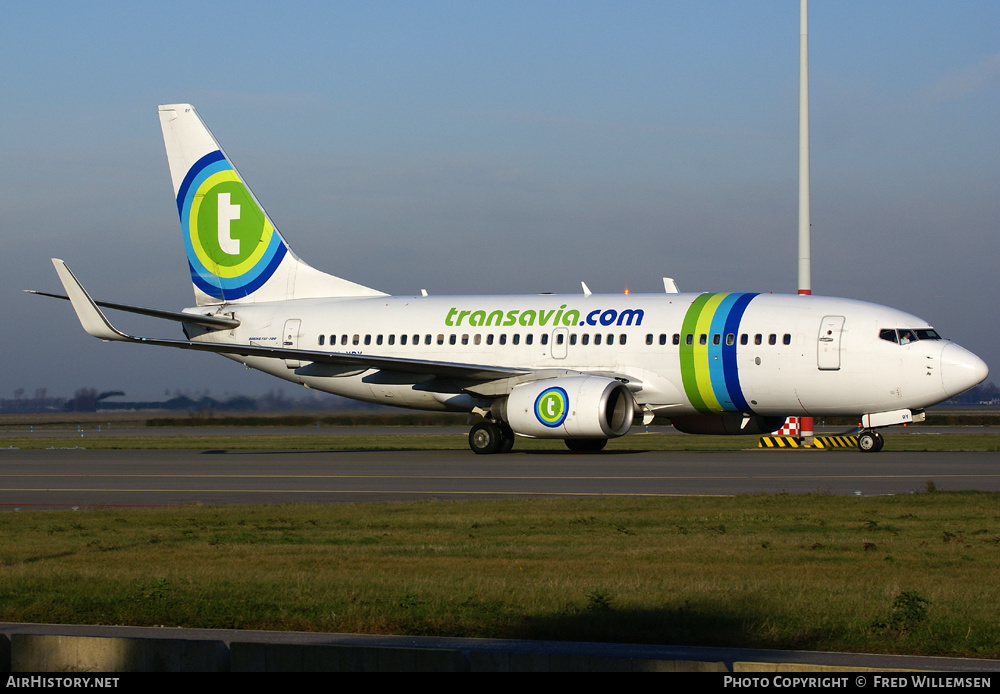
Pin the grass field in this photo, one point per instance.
(907, 574)
(417, 439)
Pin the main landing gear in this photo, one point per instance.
(870, 441)
(497, 437)
(490, 437)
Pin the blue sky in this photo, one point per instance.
(484, 147)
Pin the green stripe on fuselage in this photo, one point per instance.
(696, 375)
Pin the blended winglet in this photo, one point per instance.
(91, 317)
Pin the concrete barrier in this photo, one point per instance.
(54, 653)
(67, 654)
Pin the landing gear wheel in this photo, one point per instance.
(485, 437)
(586, 444)
(870, 441)
(506, 439)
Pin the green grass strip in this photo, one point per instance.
(910, 574)
(414, 439)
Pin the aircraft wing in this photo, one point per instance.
(96, 323)
(209, 321)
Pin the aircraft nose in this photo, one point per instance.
(961, 369)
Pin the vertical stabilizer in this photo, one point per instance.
(234, 252)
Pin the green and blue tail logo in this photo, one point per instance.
(232, 248)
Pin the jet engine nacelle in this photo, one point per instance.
(592, 407)
(729, 423)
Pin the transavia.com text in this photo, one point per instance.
(894, 682)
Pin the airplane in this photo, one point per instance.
(582, 368)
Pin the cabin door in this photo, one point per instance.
(828, 346)
(560, 336)
(290, 340)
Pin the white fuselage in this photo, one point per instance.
(773, 355)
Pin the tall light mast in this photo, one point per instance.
(805, 258)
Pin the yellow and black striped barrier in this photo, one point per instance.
(835, 441)
(799, 442)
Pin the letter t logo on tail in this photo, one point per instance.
(227, 213)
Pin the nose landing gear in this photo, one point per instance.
(870, 441)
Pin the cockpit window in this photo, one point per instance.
(905, 336)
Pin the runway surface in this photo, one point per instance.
(73, 477)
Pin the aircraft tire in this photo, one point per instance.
(870, 442)
(485, 438)
(506, 439)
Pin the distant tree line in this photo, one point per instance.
(92, 400)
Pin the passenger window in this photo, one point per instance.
(730, 339)
(663, 338)
(758, 339)
(572, 339)
(744, 338)
(322, 339)
(516, 339)
(465, 339)
(477, 339)
(772, 339)
(440, 339)
(545, 338)
(787, 339)
(703, 339)
(529, 338)
(378, 340)
(689, 339)
(392, 339)
(368, 339)
(451, 339)
(622, 339)
(649, 339)
(597, 339)
(357, 339)
(716, 339)
(585, 339)
(503, 338)
(402, 339)
(489, 339)
(677, 338)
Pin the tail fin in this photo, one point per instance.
(234, 252)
